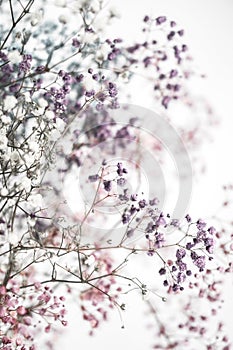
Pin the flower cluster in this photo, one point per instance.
(18, 314)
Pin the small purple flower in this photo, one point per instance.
(165, 101)
(172, 24)
(154, 202)
(25, 65)
(159, 240)
(112, 90)
(147, 61)
(200, 224)
(142, 203)
(90, 93)
(99, 107)
(40, 69)
(211, 230)
(175, 222)
(75, 42)
(79, 78)
(165, 283)
(93, 178)
(160, 222)
(133, 210)
(130, 232)
(173, 73)
(123, 133)
(160, 20)
(171, 35)
(133, 197)
(120, 169)
(125, 218)
(209, 243)
(111, 56)
(67, 78)
(117, 40)
(200, 262)
(107, 185)
(150, 227)
(182, 266)
(194, 255)
(175, 287)
(61, 73)
(95, 77)
(121, 181)
(3, 56)
(180, 253)
(124, 196)
(189, 245)
(162, 271)
(181, 277)
(181, 32)
(150, 252)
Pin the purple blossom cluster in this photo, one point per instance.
(178, 271)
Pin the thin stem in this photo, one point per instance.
(26, 10)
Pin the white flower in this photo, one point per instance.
(13, 238)
(14, 56)
(63, 19)
(33, 146)
(90, 260)
(20, 116)
(38, 111)
(29, 159)
(49, 115)
(76, 5)
(4, 192)
(36, 17)
(42, 102)
(3, 142)
(88, 37)
(35, 200)
(11, 203)
(31, 222)
(25, 184)
(60, 124)
(5, 120)
(100, 23)
(14, 156)
(95, 6)
(60, 3)
(54, 135)
(114, 11)
(103, 52)
(9, 102)
(27, 97)
(5, 157)
(89, 83)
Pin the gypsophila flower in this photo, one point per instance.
(200, 262)
(9, 102)
(107, 185)
(14, 57)
(180, 253)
